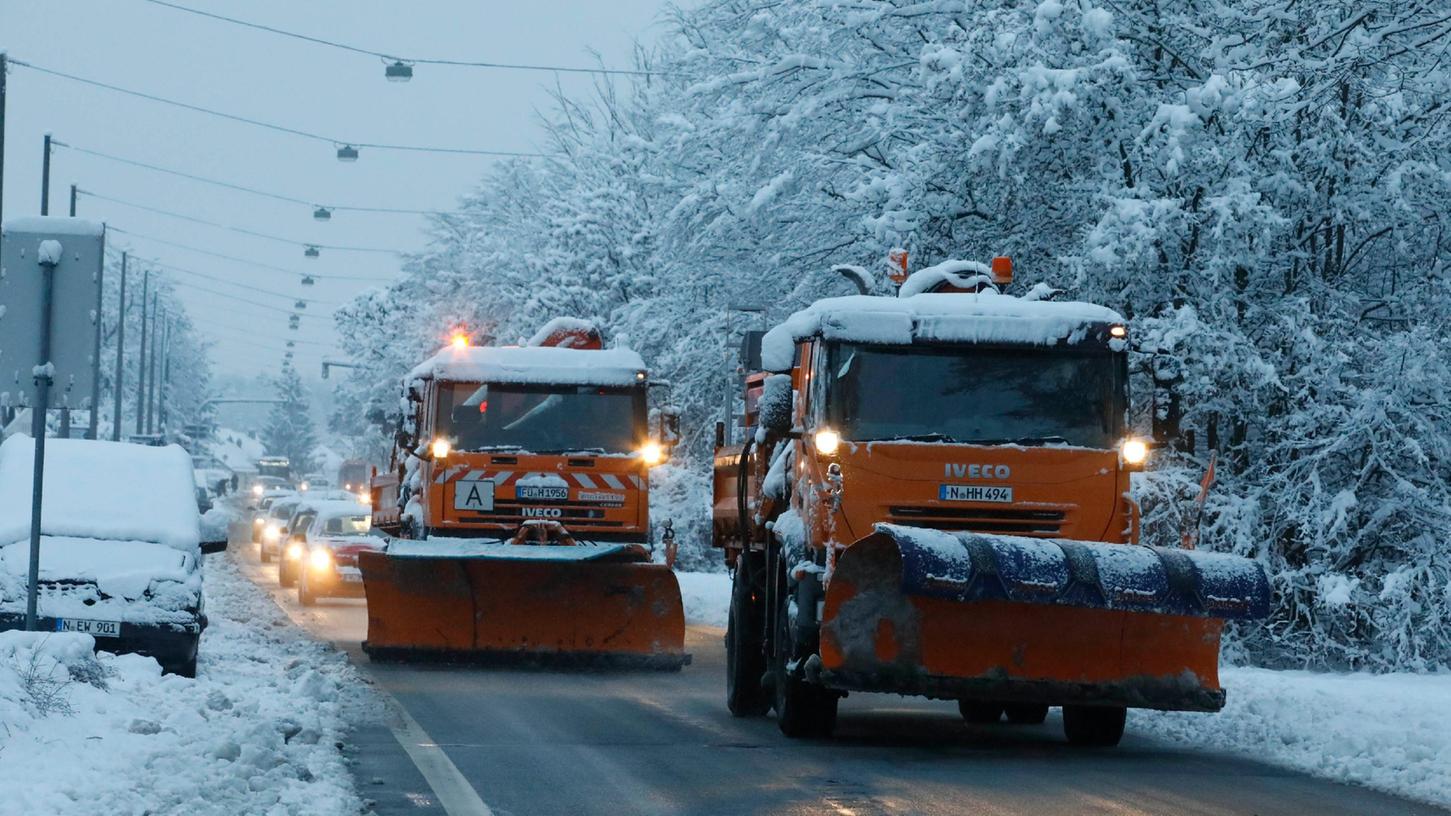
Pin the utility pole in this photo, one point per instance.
(73, 201)
(116, 390)
(165, 389)
(141, 363)
(152, 366)
(3, 68)
(45, 179)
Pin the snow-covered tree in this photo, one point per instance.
(289, 430)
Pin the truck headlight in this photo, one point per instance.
(320, 559)
(651, 453)
(1135, 451)
(440, 448)
(827, 441)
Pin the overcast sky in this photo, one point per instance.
(136, 44)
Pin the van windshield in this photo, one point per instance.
(541, 418)
(981, 395)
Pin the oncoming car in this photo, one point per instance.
(327, 565)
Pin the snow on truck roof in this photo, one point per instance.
(549, 365)
(101, 490)
(984, 317)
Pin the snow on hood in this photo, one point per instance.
(985, 317)
(101, 490)
(120, 569)
(533, 364)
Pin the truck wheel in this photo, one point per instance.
(804, 710)
(745, 654)
(979, 712)
(1100, 726)
(1026, 713)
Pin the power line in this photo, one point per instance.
(258, 289)
(239, 299)
(269, 125)
(408, 60)
(238, 187)
(230, 228)
(243, 261)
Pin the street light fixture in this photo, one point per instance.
(322, 214)
(398, 71)
(347, 153)
(301, 304)
(308, 280)
(311, 251)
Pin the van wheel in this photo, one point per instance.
(746, 696)
(1096, 726)
(1026, 713)
(979, 712)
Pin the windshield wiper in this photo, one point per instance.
(926, 437)
(1023, 440)
(487, 448)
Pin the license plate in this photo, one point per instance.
(95, 628)
(473, 495)
(352, 578)
(976, 493)
(544, 493)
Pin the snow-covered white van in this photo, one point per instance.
(120, 550)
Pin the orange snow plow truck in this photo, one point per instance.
(931, 498)
(517, 510)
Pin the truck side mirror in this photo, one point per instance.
(669, 426)
(720, 434)
(774, 407)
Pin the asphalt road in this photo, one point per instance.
(538, 742)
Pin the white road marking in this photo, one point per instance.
(454, 792)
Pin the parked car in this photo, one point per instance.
(120, 550)
(274, 525)
(328, 566)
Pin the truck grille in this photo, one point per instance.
(1044, 522)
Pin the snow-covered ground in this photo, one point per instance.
(258, 732)
(707, 597)
(1386, 731)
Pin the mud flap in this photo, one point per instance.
(510, 603)
(966, 615)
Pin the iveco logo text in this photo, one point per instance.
(542, 512)
(977, 471)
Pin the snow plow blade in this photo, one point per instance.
(959, 615)
(502, 603)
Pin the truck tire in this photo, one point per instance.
(1026, 713)
(804, 710)
(980, 712)
(1094, 726)
(746, 696)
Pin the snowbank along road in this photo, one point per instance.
(536, 742)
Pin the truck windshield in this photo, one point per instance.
(976, 394)
(541, 418)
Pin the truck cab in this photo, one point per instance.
(499, 440)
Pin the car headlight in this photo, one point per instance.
(256, 522)
(827, 441)
(294, 551)
(1134, 451)
(271, 533)
(320, 559)
(256, 490)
